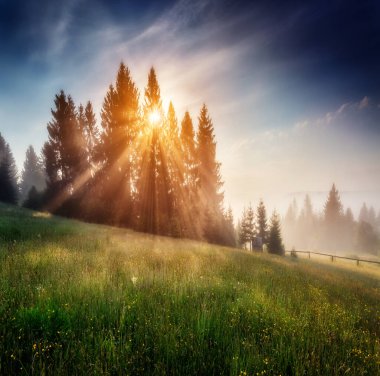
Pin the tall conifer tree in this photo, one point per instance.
(32, 175)
(209, 178)
(8, 174)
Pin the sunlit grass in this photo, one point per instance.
(85, 299)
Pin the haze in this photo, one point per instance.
(293, 90)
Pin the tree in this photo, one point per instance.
(229, 230)
(8, 174)
(65, 157)
(261, 222)
(364, 214)
(190, 178)
(117, 148)
(209, 179)
(175, 166)
(307, 229)
(242, 229)
(367, 239)
(33, 199)
(372, 216)
(153, 174)
(290, 229)
(275, 245)
(334, 221)
(250, 226)
(33, 174)
(333, 207)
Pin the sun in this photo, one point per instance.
(154, 117)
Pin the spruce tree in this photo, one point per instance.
(116, 152)
(364, 213)
(8, 174)
(64, 156)
(261, 222)
(190, 179)
(250, 226)
(209, 179)
(242, 229)
(334, 221)
(229, 230)
(333, 207)
(32, 174)
(154, 203)
(275, 245)
(175, 165)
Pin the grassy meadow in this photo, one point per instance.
(80, 299)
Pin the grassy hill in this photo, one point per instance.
(85, 299)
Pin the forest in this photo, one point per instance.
(138, 168)
(143, 169)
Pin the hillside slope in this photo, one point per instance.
(86, 299)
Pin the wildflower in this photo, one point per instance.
(134, 280)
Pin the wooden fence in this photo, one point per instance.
(335, 257)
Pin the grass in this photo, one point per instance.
(79, 299)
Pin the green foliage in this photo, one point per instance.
(261, 222)
(274, 238)
(33, 174)
(88, 300)
(8, 174)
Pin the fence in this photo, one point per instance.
(335, 257)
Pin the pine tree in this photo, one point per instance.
(117, 148)
(32, 175)
(250, 226)
(190, 178)
(154, 188)
(64, 156)
(261, 222)
(8, 174)
(275, 245)
(364, 214)
(307, 235)
(175, 165)
(372, 216)
(229, 230)
(334, 221)
(242, 229)
(333, 207)
(210, 183)
(91, 133)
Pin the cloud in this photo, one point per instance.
(364, 103)
(329, 117)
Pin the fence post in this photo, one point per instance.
(309, 254)
(332, 258)
(357, 262)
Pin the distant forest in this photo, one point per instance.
(138, 168)
(333, 230)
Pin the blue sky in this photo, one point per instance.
(293, 87)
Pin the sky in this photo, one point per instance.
(293, 87)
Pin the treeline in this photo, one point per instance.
(256, 234)
(138, 168)
(335, 229)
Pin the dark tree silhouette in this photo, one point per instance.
(8, 174)
(65, 157)
(274, 238)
